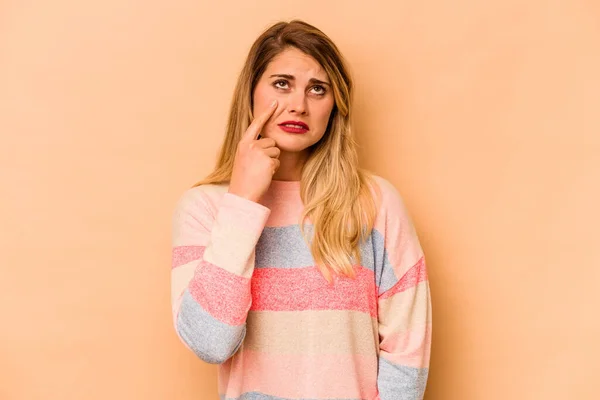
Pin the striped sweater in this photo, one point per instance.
(246, 295)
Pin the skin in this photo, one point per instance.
(298, 99)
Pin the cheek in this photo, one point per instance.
(322, 113)
(260, 100)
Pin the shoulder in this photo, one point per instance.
(394, 220)
(387, 196)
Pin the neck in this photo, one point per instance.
(290, 167)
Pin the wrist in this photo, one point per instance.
(244, 195)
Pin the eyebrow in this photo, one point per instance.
(291, 78)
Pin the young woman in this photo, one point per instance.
(296, 271)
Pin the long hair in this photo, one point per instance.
(335, 192)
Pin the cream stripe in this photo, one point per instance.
(180, 278)
(405, 310)
(224, 253)
(312, 332)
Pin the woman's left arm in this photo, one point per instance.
(404, 307)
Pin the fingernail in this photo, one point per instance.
(273, 103)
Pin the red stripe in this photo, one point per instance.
(297, 289)
(411, 278)
(184, 254)
(224, 295)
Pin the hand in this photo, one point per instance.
(256, 160)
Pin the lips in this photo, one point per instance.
(294, 124)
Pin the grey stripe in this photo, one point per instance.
(212, 340)
(385, 277)
(297, 253)
(273, 239)
(399, 382)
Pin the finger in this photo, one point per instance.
(265, 143)
(257, 123)
(272, 152)
(276, 164)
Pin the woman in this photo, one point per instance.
(296, 271)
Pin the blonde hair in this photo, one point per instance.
(335, 191)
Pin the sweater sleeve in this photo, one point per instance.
(404, 307)
(213, 251)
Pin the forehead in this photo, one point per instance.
(294, 62)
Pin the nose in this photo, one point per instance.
(297, 103)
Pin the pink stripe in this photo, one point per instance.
(298, 289)
(224, 295)
(413, 276)
(184, 254)
(286, 208)
(300, 375)
(411, 348)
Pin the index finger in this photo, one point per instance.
(257, 123)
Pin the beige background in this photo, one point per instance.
(484, 114)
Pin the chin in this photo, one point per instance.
(291, 146)
(290, 142)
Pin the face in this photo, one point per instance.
(304, 96)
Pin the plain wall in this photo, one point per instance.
(485, 115)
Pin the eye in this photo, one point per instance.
(282, 82)
(320, 90)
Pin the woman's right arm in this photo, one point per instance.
(212, 266)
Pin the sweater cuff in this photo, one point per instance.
(238, 226)
(252, 216)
